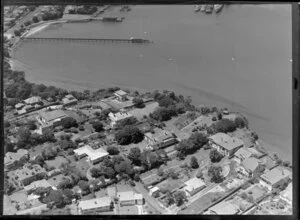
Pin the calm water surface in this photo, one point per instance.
(239, 59)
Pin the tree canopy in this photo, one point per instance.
(69, 122)
(215, 173)
(129, 134)
(215, 156)
(98, 126)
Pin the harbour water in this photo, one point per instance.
(238, 59)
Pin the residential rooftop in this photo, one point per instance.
(288, 192)
(27, 171)
(50, 116)
(32, 100)
(243, 153)
(119, 116)
(226, 141)
(129, 195)
(90, 152)
(251, 163)
(94, 203)
(194, 184)
(40, 183)
(159, 135)
(120, 93)
(275, 175)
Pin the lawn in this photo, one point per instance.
(128, 210)
(201, 203)
(140, 112)
(150, 210)
(56, 211)
(57, 162)
(275, 208)
(123, 187)
(241, 203)
(126, 149)
(257, 192)
(170, 184)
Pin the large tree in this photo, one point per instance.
(134, 155)
(98, 126)
(180, 197)
(128, 135)
(215, 156)
(194, 163)
(112, 150)
(138, 102)
(215, 173)
(69, 122)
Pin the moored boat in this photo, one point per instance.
(209, 9)
(218, 8)
(202, 8)
(197, 8)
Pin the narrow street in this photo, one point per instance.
(150, 200)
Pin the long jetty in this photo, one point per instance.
(112, 40)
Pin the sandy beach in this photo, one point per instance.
(42, 26)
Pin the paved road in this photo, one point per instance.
(28, 17)
(150, 200)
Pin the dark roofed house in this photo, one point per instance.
(160, 139)
(69, 100)
(51, 117)
(225, 144)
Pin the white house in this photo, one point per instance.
(225, 144)
(287, 194)
(121, 95)
(93, 156)
(117, 117)
(130, 198)
(95, 206)
(193, 186)
(272, 178)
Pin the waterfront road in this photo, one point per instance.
(27, 17)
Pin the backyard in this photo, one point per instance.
(57, 162)
(200, 204)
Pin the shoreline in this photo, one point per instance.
(81, 86)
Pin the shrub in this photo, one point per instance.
(215, 156)
(112, 150)
(81, 128)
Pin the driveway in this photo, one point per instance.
(150, 200)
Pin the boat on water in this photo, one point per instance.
(202, 8)
(209, 9)
(197, 8)
(218, 7)
(111, 19)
